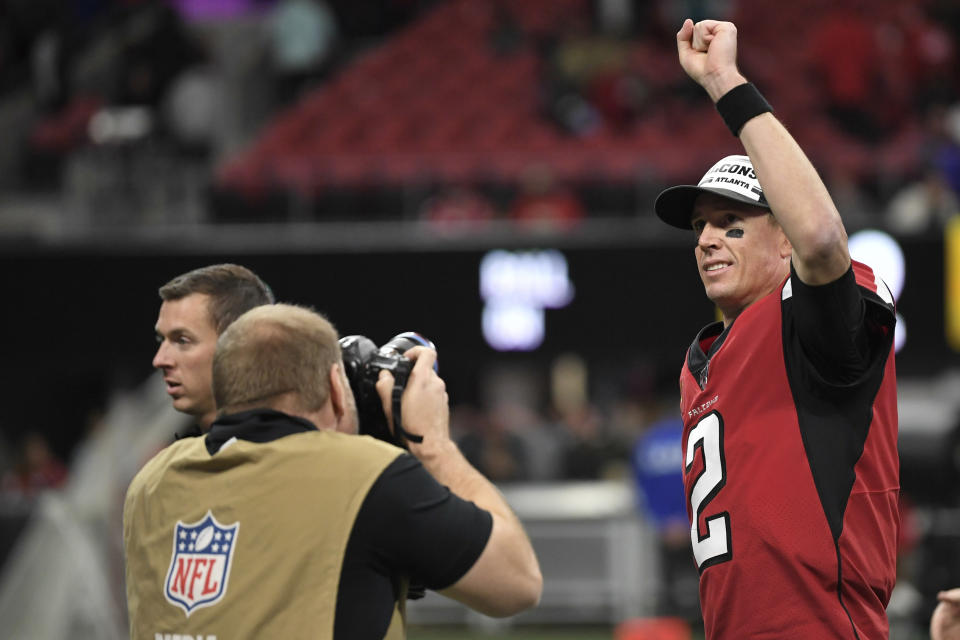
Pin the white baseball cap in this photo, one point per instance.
(733, 177)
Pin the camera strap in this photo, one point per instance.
(398, 429)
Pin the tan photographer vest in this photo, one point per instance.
(249, 542)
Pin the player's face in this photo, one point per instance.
(742, 254)
(187, 340)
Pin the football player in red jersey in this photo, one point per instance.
(789, 403)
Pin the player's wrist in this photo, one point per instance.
(720, 83)
(739, 105)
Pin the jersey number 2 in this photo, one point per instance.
(713, 546)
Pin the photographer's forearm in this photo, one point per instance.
(506, 578)
(447, 464)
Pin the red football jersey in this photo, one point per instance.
(792, 478)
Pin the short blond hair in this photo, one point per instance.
(273, 350)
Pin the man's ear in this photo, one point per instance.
(338, 399)
(786, 249)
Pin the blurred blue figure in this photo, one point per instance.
(657, 463)
(658, 470)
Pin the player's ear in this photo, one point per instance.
(784, 246)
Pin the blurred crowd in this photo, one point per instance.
(531, 426)
(154, 109)
(34, 467)
(572, 432)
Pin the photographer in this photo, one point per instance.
(282, 522)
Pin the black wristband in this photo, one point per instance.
(742, 103)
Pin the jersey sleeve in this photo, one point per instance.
(417, 527)
(845, 327)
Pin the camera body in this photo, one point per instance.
(363, 361)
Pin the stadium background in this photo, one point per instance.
(366, 166)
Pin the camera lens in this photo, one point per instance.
(402, 342)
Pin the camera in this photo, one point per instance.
(363, 362)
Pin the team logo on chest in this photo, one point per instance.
(200, 564)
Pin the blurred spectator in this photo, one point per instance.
(157, 48)
(194, 108)
(38, 41)
(845, 57)
(490, 443)
(570, 60)
(657, 464)
(592, 80)
(943, 146)
(930, 56)
(658, 469)
(49, 69)
(543, 203)
(506, 36)
(66, 130)
(303, 38)
(148, 48)
(850, 196)
(947, 14)
(588, 449)
(35, 469)
(894, 89)
(906, 601)
(539, 441)
(6, 455)
(458, 208)
(923, 206)
(11, 71)
(588, 452)
(619, 96)
(614, 17)
(930, 197)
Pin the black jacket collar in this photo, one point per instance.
(256, 425)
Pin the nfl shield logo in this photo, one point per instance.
(200, 565)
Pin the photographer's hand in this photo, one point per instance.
(945, 622)
(425, 405)
(506, 577)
